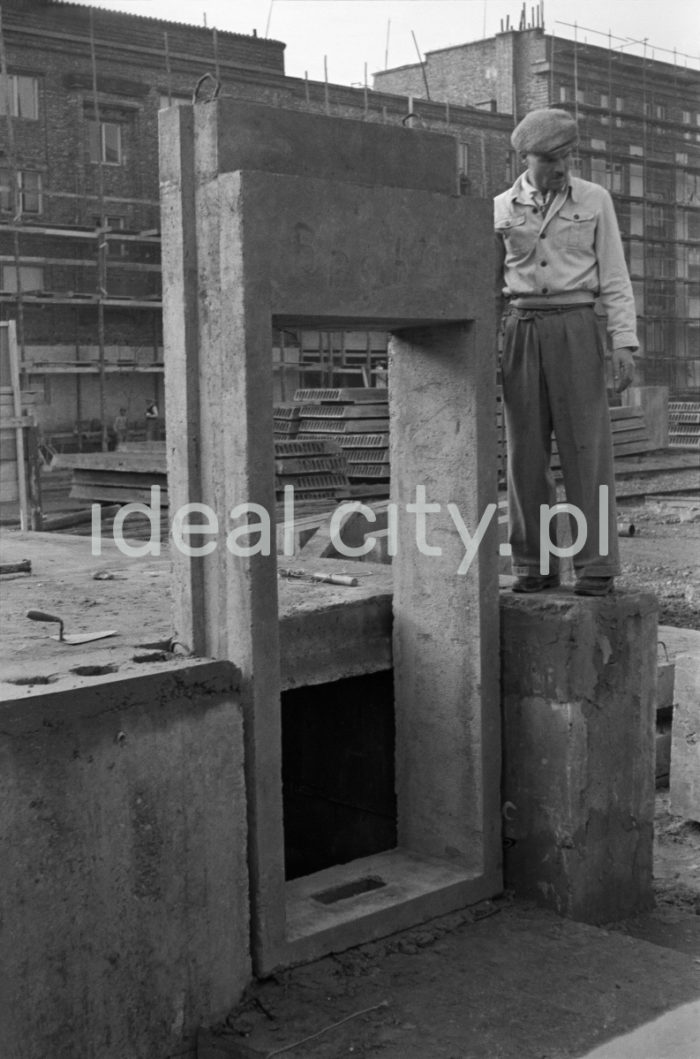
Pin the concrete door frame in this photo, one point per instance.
(251, 238)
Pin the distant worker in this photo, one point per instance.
(151, 420)
(560, 249)
(120, 426)
(381, 376)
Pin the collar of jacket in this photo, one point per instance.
(519, 192)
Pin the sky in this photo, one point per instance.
(344, 36)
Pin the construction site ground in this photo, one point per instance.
(503, 980)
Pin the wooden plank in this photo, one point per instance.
(623, 412)
(127, 462)
(76, 518)
(619, 426)
(119, 478)
(115, 494)
(141, 446)
(24, 521)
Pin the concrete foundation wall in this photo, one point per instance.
(124, 898)
(579, 746)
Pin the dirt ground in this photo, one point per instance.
(664, 554)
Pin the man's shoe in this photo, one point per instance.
(594, 586)
(535, 583)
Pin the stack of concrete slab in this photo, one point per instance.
(120, 477)
(684, 424)
(358, 418)
(315, 467)
(285, 420)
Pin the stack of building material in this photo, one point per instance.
(315, 467)
(684, 424)
(121, 477)
(629, 432)
(286, 420)
(357, 418)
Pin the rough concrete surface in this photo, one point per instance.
(123, 823)
(320, 624)
(578, 738)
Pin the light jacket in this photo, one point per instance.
(575, 248)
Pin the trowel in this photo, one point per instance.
(73, 638)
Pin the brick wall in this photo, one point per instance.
(473, 74)
(531, 87)
(465, 75)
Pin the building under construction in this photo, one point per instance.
(238, 764)
(79, 202)
(639, 122)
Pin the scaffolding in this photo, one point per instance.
(657, 195)
(639, 128)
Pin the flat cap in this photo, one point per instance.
(544, 131)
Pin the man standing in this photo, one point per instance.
(120, 426)
(560, 250)
(151, 420)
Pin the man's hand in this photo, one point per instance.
(623, 368)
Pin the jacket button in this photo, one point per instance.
(543, 235)
(545, 289)
(543, 263)
(576, 216)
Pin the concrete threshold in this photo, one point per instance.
(373, 896)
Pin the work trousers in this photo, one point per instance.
(554, 381)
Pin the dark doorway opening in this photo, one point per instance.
(338, 772)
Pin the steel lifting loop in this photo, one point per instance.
(660, 643)
(214, 92)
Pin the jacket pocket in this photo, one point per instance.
(504, 225)
(576, 227)
(512, 229)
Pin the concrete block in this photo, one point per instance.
(578, 782)
(685, 737)
(329, 634)
(124, 900)
(253, 137)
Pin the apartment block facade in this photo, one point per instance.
(79, 195)
(79, 210)
(79, 200)
(639, 122)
